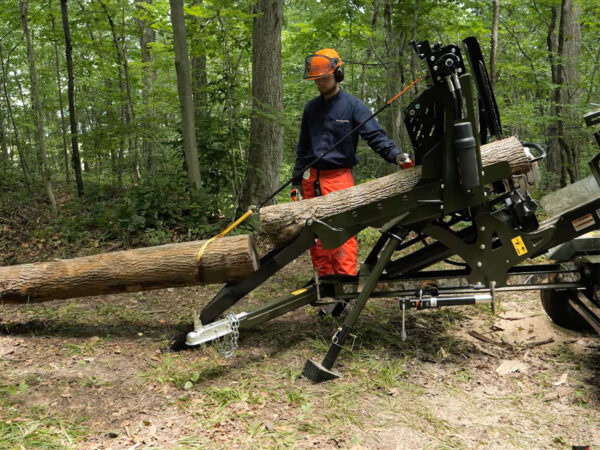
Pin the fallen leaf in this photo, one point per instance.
(562, 379)
(550, 396)
(485, 351)
(511, 365)
(18, 420)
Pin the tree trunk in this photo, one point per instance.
(554, 165)
(394, 44)
(281, 223)
(22, 159)
(75, 159)
(266, 131)
(199, 74)
(413, 56)
(563, 54)
(230, 115)
(369, 50)
(63, 124)
(125, 97)
(147, 37)
(37, 104)
(184, 89)
(226, 259)
(3, 143)
(494, 40)
(569, 49)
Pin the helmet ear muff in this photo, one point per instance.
(338, 74)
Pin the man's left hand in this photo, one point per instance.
(404, 161)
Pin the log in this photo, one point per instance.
(283, 222)
(172, 265)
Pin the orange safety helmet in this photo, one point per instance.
(324, 62)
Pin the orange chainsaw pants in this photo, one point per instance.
(341, 260)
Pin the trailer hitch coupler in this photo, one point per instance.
(465, 147)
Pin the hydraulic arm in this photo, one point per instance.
(458, 208)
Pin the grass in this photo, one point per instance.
(36, 427)
(87, 348)
(171, 369)
(48, 433)
(259, 399)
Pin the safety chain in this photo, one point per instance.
(228, 344)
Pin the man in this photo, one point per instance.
(326, 119)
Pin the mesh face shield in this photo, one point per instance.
(319, 66)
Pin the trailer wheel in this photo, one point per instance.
(556, 304)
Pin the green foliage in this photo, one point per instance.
(128, 112)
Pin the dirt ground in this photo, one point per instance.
(90, 373)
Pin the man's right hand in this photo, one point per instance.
(296, 193)
(404, 161)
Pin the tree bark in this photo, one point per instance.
(199, 73)
(37, 104)
(147, 37)
(369, 50)
(564, 53)
(569, 49)
(281, 223)
(3, 143)
(184, 89)
(266, 131)
(553, 162)
(232, 70)
(63, 124)
(125, 95)
(173, 265)
(394, 43)
(494, 40)
(75, 159)
(20, 149)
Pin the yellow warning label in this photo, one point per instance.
(519, 245)
(299, 291)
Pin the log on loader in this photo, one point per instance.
(482, 215)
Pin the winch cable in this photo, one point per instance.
(254, 209)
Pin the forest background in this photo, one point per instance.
(129, 123)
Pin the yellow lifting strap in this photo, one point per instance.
(224, 232)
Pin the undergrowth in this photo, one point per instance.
(157, 210)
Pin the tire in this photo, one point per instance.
(556, 304)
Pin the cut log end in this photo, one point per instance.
(228, 260)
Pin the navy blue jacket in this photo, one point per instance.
(324, 122)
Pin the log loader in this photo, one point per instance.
(480, 215)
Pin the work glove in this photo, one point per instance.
(404, 161)
(296, 192)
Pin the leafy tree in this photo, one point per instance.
(266, 133)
